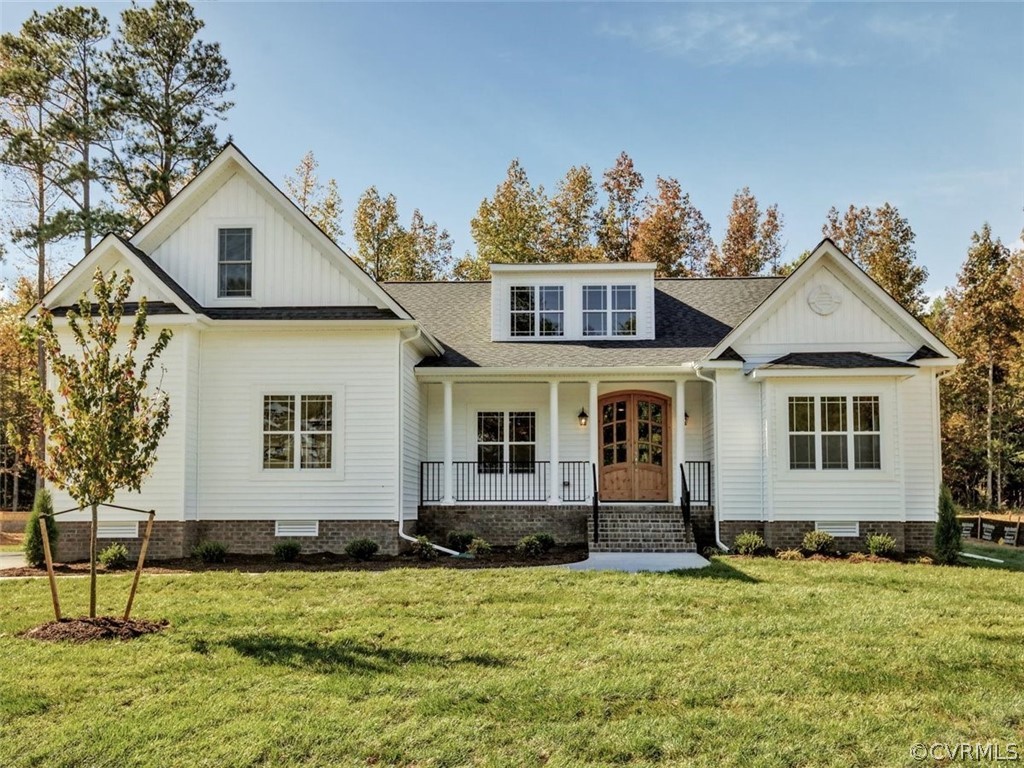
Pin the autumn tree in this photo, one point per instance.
(569, 231)
(425, 253)
(167, 89)
(321, 203)
(673, 233)
(752, 240)
(618, 220)
(378, 234)
(104, 420)
(510, 227)
(19, 423)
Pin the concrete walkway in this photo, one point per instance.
(632, 562)
(11, 559)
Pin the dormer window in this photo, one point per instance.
(537, 310)
(234, 263)
(609, 310)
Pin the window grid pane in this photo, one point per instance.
(308, 426)
(234, 262)
(867, 439)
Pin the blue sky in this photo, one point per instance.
(809, 104)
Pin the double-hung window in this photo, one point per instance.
(537, 310)
(298, 431)
(834, 432)
(234, 262)
(609, 310)
(506, 439)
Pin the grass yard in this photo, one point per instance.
(1013, 558)
(747, 663)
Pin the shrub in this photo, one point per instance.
(460, 540)
(287, 551)
(115, 557)
(362, 549)
(819, 543)
(748, 543)
(423, 549)
(857, 557)
(530, 546)
(210, 551)
(881, 544)
(947, 530)
(33, 544)
(790, 554)
(546, 540)
(479, 548)
(709, 552)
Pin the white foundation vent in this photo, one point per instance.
(297, 528)
(117, 530)
(848, 529)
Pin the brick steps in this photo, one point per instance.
(640, 528)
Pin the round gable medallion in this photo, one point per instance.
(823, 299)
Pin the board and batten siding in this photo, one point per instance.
(288, 268)
(358, 368)
(164, 490)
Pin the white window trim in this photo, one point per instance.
(236, 222)
(818, 470)
(536, 312)
(609, 311)
(506, 442)
(311, 475)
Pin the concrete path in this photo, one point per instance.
(633, 562)
(11, 559)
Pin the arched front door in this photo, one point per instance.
(634, 451)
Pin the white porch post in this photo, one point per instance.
(679, 435)
(555, 475)
(595, 425)
(449, 453)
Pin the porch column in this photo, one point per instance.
(449, 453)
(555, 474)
(679, 436)
(592, 435)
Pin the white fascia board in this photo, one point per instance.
(829, 373)
(630, 266)
(715, 364)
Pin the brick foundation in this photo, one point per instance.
(789, 534)
(703, 521)
(504, 525)
(172, 540)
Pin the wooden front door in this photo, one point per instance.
(634, 447)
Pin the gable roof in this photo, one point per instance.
(835, 360)
(858, 278)
(691, 317)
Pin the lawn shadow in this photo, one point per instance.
(345, 654)
(718, 569)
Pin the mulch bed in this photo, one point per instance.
(85, 630)
(325, 561)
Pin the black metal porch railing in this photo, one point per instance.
(503, 481)
(697, 478)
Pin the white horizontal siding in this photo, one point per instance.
(288, 268)
(739, 494)
(918, 417)
(360, 368)
(413, 432)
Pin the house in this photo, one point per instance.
(586, 400)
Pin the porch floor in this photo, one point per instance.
(633, 562)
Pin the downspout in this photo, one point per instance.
(401, 451)
(718, 463)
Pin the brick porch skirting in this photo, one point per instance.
(504, 524)
(788, 534)
(174, 539)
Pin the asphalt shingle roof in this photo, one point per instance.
(691, 317)
(835, 360)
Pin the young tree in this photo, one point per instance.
(752, 239)
(673, 233)
(568, 235)
(167, 91)
(947, 530)
(322, 204)
(105, 422)
(617, 222)
(509, 228)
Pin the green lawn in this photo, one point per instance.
(1013, 559)
(747, 663)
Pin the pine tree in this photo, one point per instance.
(509, 228)
(321, 203)
(32, 545)
(752, 239)
(617, 222)
(947, 530)
(568, 236)
(673, 233)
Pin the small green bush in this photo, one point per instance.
(881, 544)
(546, 540)
(460, 540)
(362, 549)
(790, 554)
(748, 543)
(423, 549)
(947, 531)
(287, 551)
(479, 548)
(530, 546)
(115, 557)
(709, 552)
(210, 551)
(819, 543)
(33, 544)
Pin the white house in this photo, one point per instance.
(310, 403)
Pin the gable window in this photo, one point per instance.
(609, 310)
(234, 262)
(298, 431)
(825, 431)
(537, 310)
(506, 439)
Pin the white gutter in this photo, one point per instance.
(401, 453)
(718, 463)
